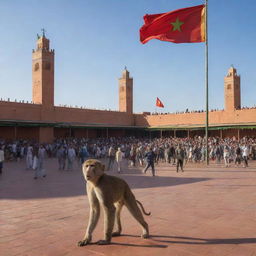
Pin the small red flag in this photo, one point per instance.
(159, 103)
(185, 25)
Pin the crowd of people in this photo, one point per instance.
(196, 111)
(141, 152)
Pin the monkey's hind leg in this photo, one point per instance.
(118, 231)
(136, 213)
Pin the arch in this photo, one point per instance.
(36, 67)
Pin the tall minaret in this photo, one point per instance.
(126, 93)
(43, 72)
(232, 90)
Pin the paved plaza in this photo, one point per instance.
(203, 211)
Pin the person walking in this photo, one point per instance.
(166, 154)
(172, 154)
(180, 155)
(119, 158)
(61, 157)
(245, 154)
(133, 156)
(84, 154)
(1, 159)
(238, 155)
(139, 155)
(71, 157)
(111, 157)
(35, 159)
(150, 158)
(40, 170)
(190, 153)
(218, 153)
(226, 155)
(29, 157)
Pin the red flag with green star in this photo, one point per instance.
(185, 25)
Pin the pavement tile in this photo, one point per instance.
(203, 211)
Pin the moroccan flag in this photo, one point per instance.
(159, 103)
(185, 25)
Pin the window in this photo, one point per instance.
(36, 67)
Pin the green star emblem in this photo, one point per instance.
(177, 24)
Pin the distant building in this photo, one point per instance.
(43, 121)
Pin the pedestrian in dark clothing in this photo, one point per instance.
(150, 158)
(61, 155)
(180, 155)
(83, 154)
(172, 154)
(111, 157)
(1, 158)
(238, 155)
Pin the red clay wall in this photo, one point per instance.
(19, 111)
(61, 132)
(29, 133)
(36, 113)
(247, 132)
(33, 112)
(92, 116)
(46, 134)
(7, 132)
(215, 118)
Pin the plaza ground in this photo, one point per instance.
(203, 211)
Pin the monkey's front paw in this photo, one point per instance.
(103, 242)
(83, 242)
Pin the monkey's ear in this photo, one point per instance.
(103, 167)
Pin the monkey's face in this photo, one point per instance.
(92, 170)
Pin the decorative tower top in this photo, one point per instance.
(232, 71)
(125, 73)
(43, 30)
(42, 42)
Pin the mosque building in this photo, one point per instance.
(41, 120)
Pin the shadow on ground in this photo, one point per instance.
(159, 241)
(201, 241)
(19, 183)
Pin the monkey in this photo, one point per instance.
(112, 193)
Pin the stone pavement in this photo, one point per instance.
(203, 211)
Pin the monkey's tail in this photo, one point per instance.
(142, 208)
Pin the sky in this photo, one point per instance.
(95, 39)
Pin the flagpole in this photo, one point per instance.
(206, 81)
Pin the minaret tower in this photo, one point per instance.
(43, 72)
(232, 90)
(126, 93)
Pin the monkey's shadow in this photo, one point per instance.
(183, 240)
(201, 241)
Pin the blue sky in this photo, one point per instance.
(95, 39)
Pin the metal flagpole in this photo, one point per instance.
(206, 81)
